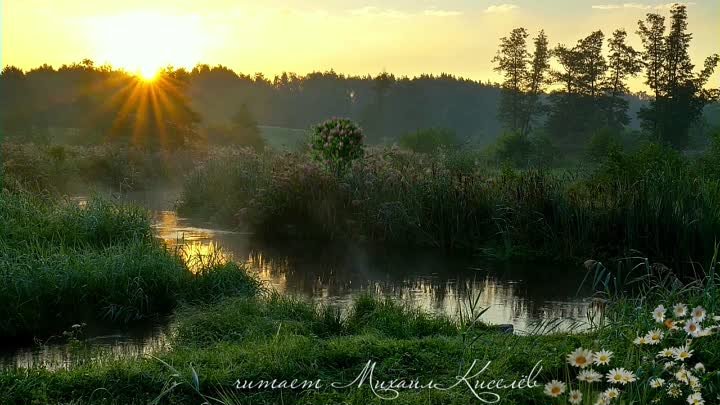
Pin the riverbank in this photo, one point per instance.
(62, 264)
(652, 201)
(220, 349)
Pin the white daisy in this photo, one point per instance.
(699, 367)
(554, 388)
(666, 353)
(695, 399)
(705, 332)
(683, 376)
(589, 376)
(659, 314)
(602, 400)
(575, 397)
(682, 353)
(629, 377)
(694, 383)
(698, 314)
(602, 357)
(580, 358)
(611, 393)
(640, 340)
(693, 328)
(674, 390)
(654, 336)
(657, 382)
(618, 376)
(680, 310)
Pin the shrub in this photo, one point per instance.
(709, 163)
(601, 144)
(337, 143)
(514, 148)
(429, 140)
(543, 153)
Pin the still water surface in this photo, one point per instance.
(525, 295)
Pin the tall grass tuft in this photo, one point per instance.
(62, 264)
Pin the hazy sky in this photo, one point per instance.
(356, 36)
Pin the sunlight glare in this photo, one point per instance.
(146, 42)
(148, 73)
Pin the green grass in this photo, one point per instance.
(275, 337)
(652, 201)
(64, 168)
(278, 337)
(62, 264)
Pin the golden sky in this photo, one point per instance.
(354, 37)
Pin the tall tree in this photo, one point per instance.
(679, 93)
(512, 61)
(592, 63)
(623, 62)
(652, 34)
(537, 80)
(576, 107)
(569, 60)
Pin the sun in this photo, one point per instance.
(148, 73)
(145, 42)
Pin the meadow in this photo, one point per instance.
(64, 264)
(267, 336)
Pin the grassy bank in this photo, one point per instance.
(63, 168)
(276, 337)
(653, 200)
(272, 337)
(62, 264)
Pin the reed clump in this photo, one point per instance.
(652, 200)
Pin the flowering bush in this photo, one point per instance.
(672, 375)
(336, 143)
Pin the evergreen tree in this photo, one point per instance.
(512, 61)
(679, 93)
(623, 63)
(537, 81)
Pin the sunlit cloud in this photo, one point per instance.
(442, 13)
(501, 8)
(372, 11)
(638, 6)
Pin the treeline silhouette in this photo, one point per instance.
(104, 102)
(585, 95)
